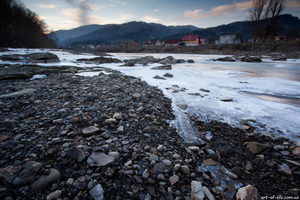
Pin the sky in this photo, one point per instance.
(68, 14)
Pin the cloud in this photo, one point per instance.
(220, 10)
(149, 19)
(156, 10)
(293, 4)
(109, 20)
(52, 6)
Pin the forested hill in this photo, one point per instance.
(289, 24)
(20, 27)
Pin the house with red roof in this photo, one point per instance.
(170, 43)
(191, 40)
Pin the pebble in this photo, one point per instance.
(45, 180)
(197, 191)
(92, 130)
(110, 121)
(54, 195)
(284, 169)
(182, 106)
(153, 157)
(97, 192)
(209, 162)
(185, 169)
(100, 159)
(174, 179)
(296, 151)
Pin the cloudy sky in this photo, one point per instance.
(67, 14)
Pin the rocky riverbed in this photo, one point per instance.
(108, 137)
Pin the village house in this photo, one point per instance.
(153, 42)
(191, 40)
(130, 43)
(171, 43)
(229, 38)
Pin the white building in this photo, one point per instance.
(229, 38)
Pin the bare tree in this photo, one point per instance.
(263, 18)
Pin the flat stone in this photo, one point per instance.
(208, 194)
(197, 192)
(293, 162)
(100, 159)
(167, 162)
(226, 99)
(159, 168)
(209, 162)
(58, 121)
(279, 147)
(168, 75)
(153, 157)
(174, 179)
(185, 169)
(159, 77)
(46, 180)
(92, 130)
(212, 153)
(136, 95)
(91, 109)
(176, 156)
(76, 154)
(147, 129)
(255, 147)
(97, 192)
(19, 93)
(182, 106)
(163, 67)
(146, 173)
(194, 148)
(249, 192)
(296, 151)
(110, 121)
(54, 195)
(231, 175)
(114, 154)
(284, 169)
(117, 116)
(30, 169)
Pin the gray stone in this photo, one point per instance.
(159, 168)
(146, 173)
(159, 77)
(19, 93)
(100, 159)
(226, 99)
(284, 169)
(251, 59)
(279, 147)
(76, 154)
(114, 154)
(169, 60)
(58, 121)
(248, 192)
(54, 195)
(106, 135)
(97, 192)
(185, 169)
(46, 180)
(154, 157)
(296, 151)
(91, 109)
(136, 95)
(9, 144)
(231, 175)
(177, 167)
(212, 153)
(110, 121)
(117, 116)
(30, 169)
(226, 59)
(92, 130)
(163, 67)
(147, 148)
(167, 162)
(190, 61)
(183, 106)
(168, 75)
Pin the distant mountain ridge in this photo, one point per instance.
(114, 33)
(141, 31)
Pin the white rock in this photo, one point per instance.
(208, 194)
(247, 193)
(197, 191)
(97, 192)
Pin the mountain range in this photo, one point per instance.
(141, 31)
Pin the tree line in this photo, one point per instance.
(20, 27)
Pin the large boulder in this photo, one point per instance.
(163, 67)
(251, 59)
(167, 60)
(99, 60)
(41, 57)
(29, 70)
(143, 60)
(226, 59)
